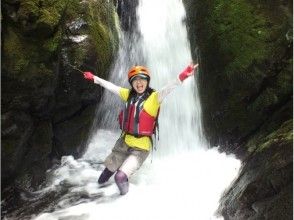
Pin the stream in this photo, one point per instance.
(184, 178)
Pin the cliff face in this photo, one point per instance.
(47, 106)
(245, 53)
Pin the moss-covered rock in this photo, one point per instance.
(102, 24)
(264, 186)
(39, 41)
(245, 80)
(40, 17)
(241, 33)
(244, 50)
(283, 135)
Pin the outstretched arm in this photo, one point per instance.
(163, 92)
(189, 71)
(106, 84)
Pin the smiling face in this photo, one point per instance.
(139, 84)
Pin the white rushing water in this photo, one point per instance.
(183, 179)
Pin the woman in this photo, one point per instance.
(137, 121)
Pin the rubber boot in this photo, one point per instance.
(105, 175)
(121, 180)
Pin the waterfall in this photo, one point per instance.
(183, 179)
(163, 47)
(167, 50)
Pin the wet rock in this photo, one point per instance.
(37, 156)
(266, 177)
(245, 75)
(126, 10)
(245, 84)
(71, 134)
(17, 127)
(47, 106)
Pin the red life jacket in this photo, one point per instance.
(134, 120)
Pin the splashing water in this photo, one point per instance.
(154, 192)
(183, 179)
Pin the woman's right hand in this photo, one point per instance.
(89, 76)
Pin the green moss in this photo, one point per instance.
(265, 100)
(280, 137)
(50, 17)
(102, 31)
(246, 67)
(23, 52)
(41, 16)
(283, 83)
(51, 45)
(14, 56)
(23, 59)
(241, 33)
(29, 9)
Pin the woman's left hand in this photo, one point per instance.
(194, 66)
(189, 71)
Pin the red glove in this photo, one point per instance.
(187, 72)
(89, 76)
